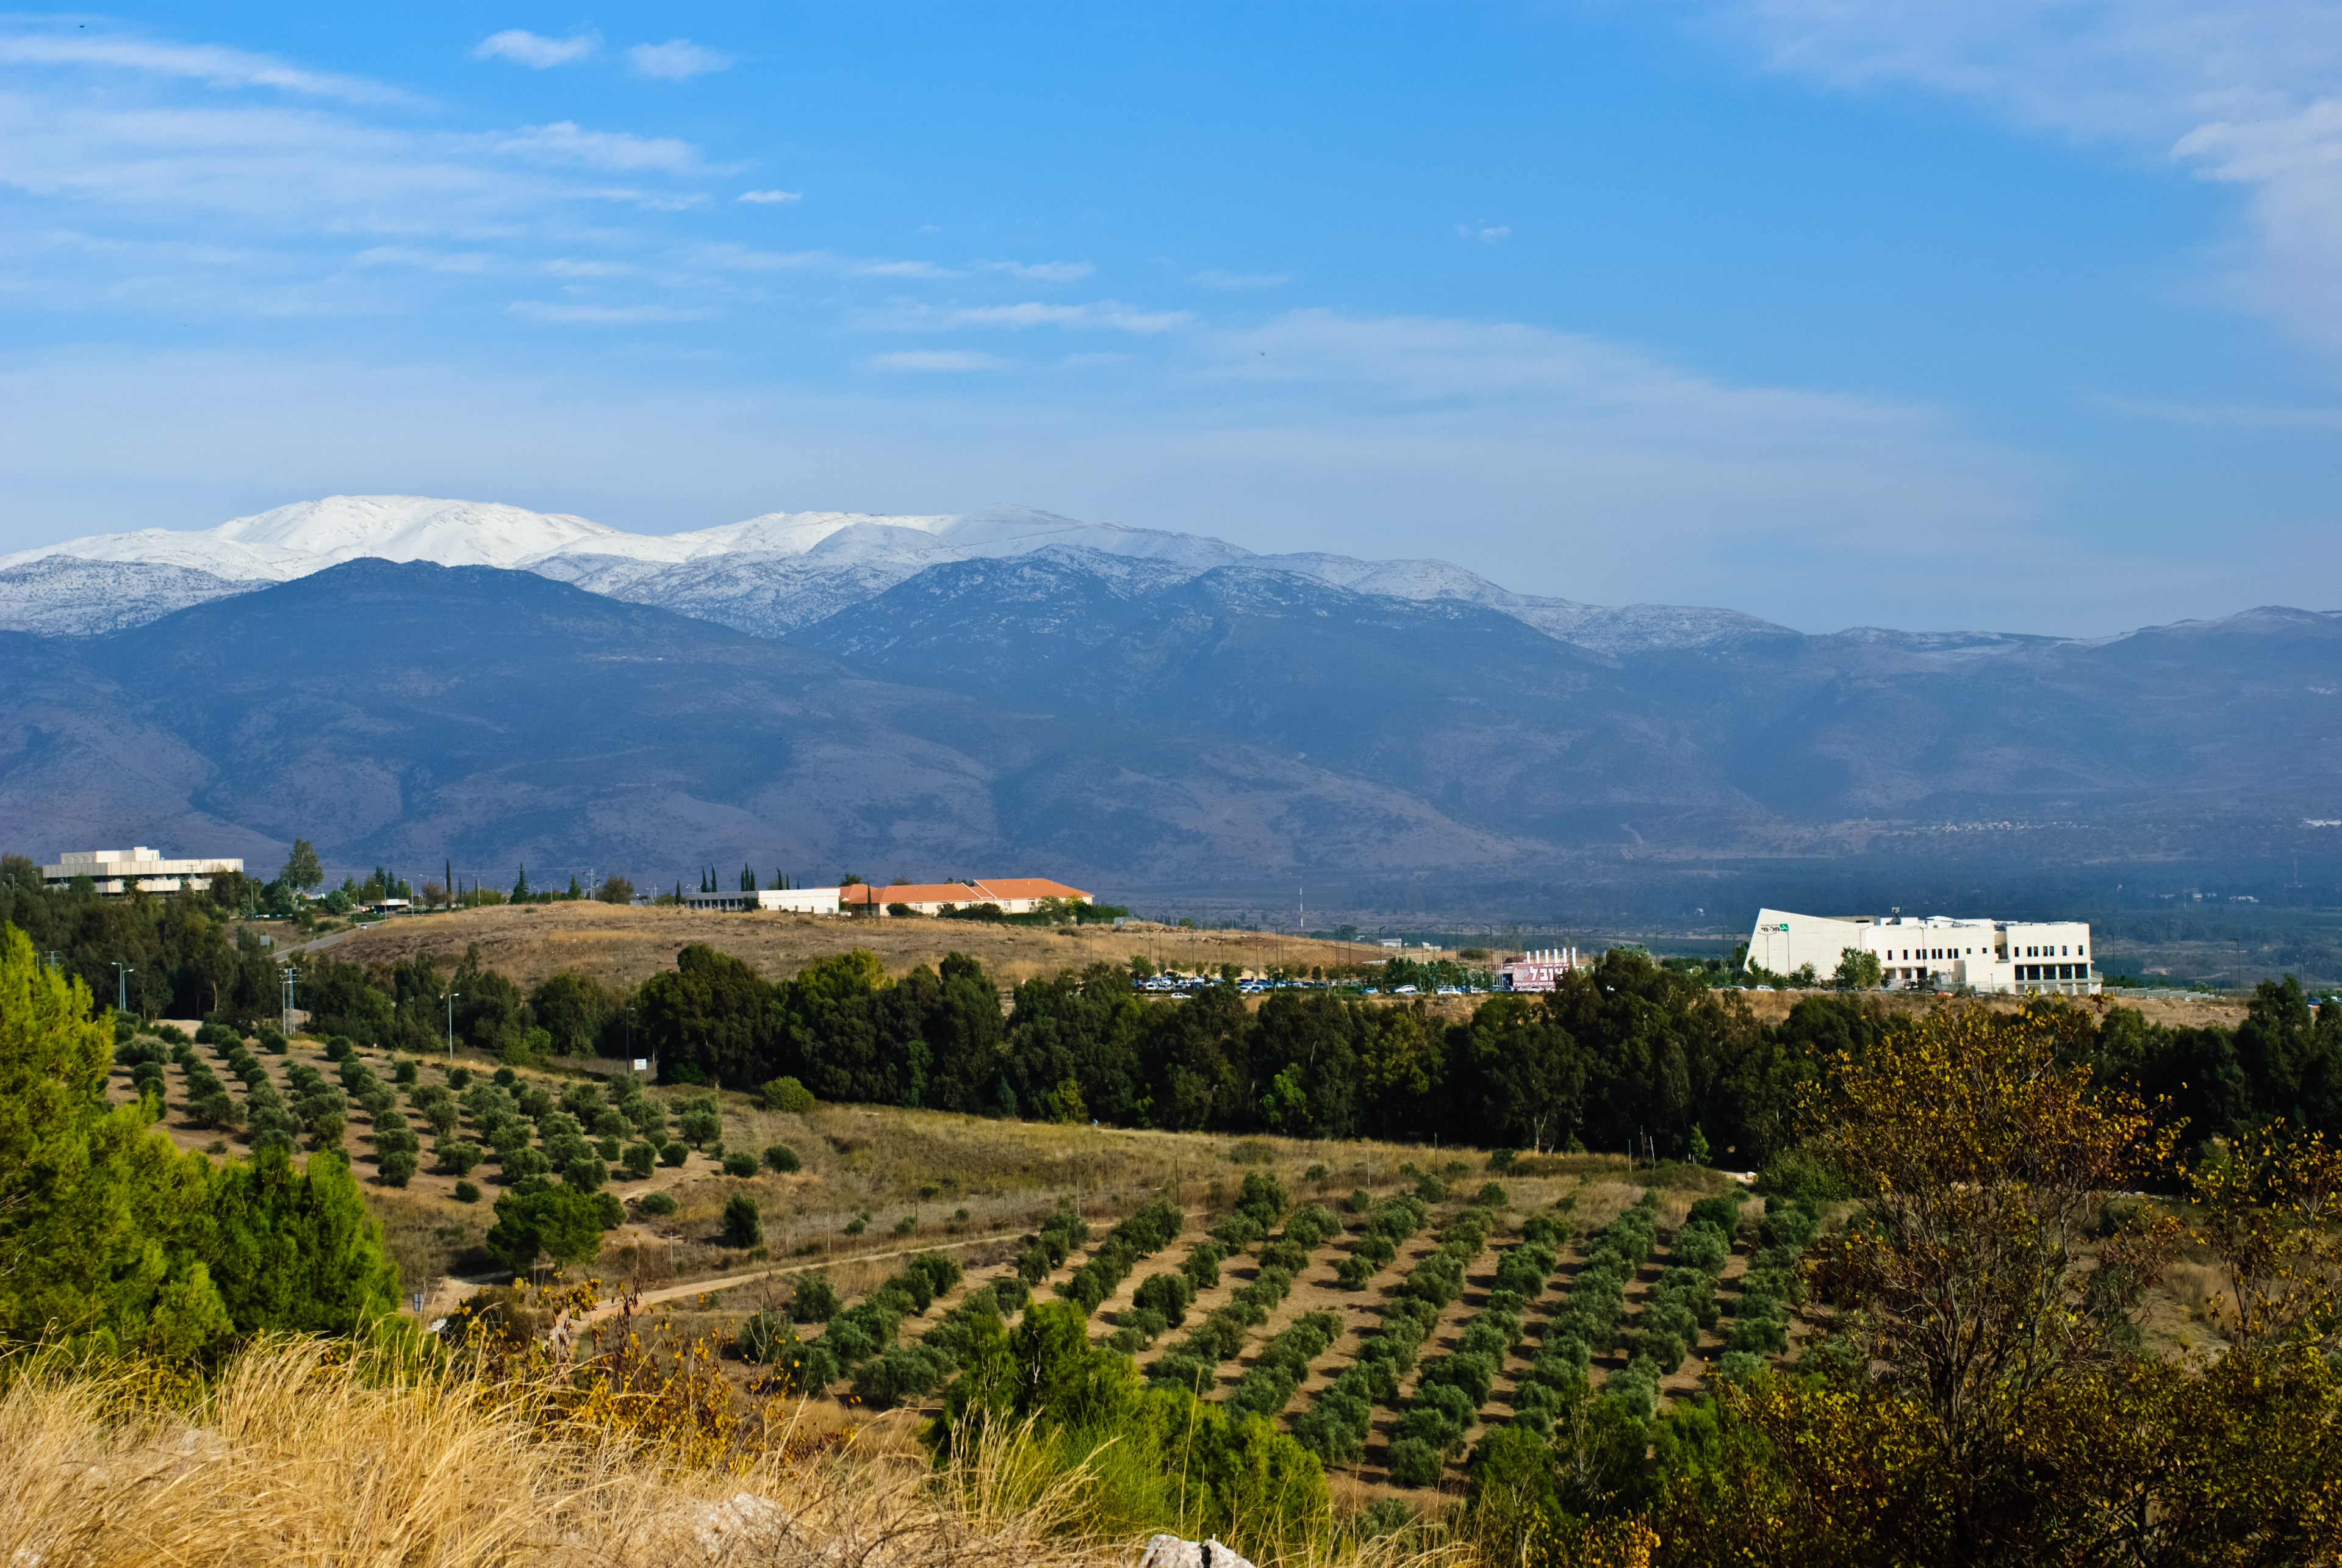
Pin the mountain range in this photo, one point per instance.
(1150, 715)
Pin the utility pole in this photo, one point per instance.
(291, 975)
(451, 997)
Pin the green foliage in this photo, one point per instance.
(468, 1191)
(658, 1203)
(788, 1095)
(764, 1335)
(780, 1157)
(744, 1225)
(739, 1162)
(815, 1300)
(561, 1223)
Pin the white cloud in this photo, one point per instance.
(676, 60)
(207, 63)
(1486, 233)
(1040, 271)
(2240, 91)
(769, 198)
(935, 359)
(741, 258)
(600, 315)
(1213, 277)
(1105, 313)
(534, 50)
(565, 141)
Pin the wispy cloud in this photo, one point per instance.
(207, 63)
(534, 50)
(944, 359)
(745, 259)
(1213, 277)
(769, 198)
(678, 60)
(1040, 271)
(2227, 416)
(2241, 90)
(1108, 313)
(566, 142)
(600, 315)
(1485, 233)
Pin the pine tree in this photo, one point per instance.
(520, 889)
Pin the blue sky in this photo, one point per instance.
(2011, 316)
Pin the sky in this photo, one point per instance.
(2002, 315)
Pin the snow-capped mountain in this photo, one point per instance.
(767, 575)
(64, 596)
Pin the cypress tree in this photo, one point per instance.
(520, 889)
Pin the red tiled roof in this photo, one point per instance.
(1027, 888)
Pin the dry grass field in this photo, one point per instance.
(626, 945)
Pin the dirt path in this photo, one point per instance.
(732, 1281)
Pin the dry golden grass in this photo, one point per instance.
(293, 1457)
(624, 946)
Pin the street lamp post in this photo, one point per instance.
(292, 976)
(122, 986)
(451, 995)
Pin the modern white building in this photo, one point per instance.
(1934, 952)
(118, 871)
(787, 901)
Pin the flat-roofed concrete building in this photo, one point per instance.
(118, 871)
(1013, 895)
(786, 901)
(1937, 951)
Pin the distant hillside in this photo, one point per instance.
(1138, 726)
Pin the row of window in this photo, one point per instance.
(2052, 971)
(2047, 952)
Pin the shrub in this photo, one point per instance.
(1414, 1463)
(740, 1163)
(639, 1158)
(784, 1159)
(1359, 1201)
(903, 1373)
(467, 1193)
(395, 1169)
(1316, 1173)
(674, 1154)
(744, 1225)
(586, 1173)
(762, 1337)
(787, 1095)
(458, 1158)
(1431, 1189)
(1168, 1294)
(658, 1203)
(804, 1369)
(815, 1300)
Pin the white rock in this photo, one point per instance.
(1170, 1551)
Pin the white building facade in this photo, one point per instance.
(118, 871)
(784, 900)
(1934, 951)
